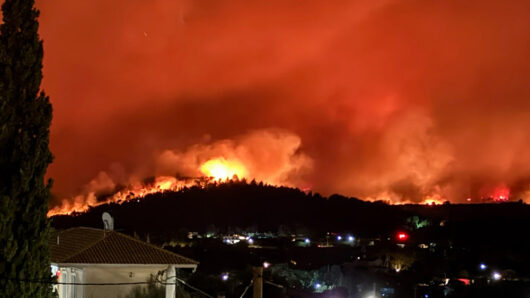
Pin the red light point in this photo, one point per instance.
(402, 236)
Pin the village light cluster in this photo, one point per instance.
(252, 239)
(348, 238)
(235, 239)
(495, 275)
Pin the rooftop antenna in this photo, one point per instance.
(108, 221)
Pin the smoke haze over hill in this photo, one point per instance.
(387, 99)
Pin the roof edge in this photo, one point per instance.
(189, 266)
(64, 261)
(191, 261)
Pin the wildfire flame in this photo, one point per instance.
(432, 201)
(137, 190)
(501, 194)
(435, 199)
(218, 169)
(222, 169)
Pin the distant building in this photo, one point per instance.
(81, 256)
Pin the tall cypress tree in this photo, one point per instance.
(25, 116)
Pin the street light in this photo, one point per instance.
(496, 276)
(224, 277)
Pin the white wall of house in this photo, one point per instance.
(70, 275)
(111, 274)
(104, 274)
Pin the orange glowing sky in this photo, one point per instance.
(371, 98)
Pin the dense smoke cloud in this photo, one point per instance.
(270, 156)
(401, 100)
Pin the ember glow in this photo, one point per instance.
(82, 203)
(269, 156)
(222, 169)
(402, 101)
(432, 201)
(501, 194)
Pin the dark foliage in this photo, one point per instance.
(241, 205)
(25, 116)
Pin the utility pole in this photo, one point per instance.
(257, 278)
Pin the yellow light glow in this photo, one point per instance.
(165, 183)
(222, 169)
(432, 201)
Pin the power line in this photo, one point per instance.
(157, 280)
(186, 284)
(51, 282)
(273, 284)
(246, 289)
(181, 281)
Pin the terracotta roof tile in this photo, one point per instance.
(94, 246)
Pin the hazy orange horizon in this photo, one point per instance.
(404, 100)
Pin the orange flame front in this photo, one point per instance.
(218, 169)
(82, 203)
(222, 169)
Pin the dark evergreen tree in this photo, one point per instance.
(25, 116)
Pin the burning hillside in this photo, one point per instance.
(274, 157)
(269, 156)
(404, 101)
(215, 171)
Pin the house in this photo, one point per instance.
(94, 263)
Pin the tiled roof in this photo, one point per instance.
(94, 246)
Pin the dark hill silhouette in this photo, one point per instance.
(241, 204)
(238, 204)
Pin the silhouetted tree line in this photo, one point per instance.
(242, 205)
